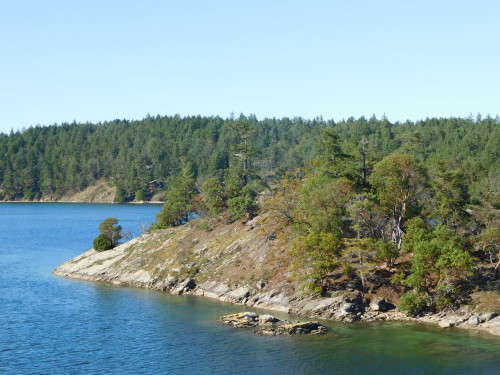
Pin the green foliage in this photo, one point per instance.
(231, 193)
(110, 228)
(450, 196)
(243, 204)
(319, 226)
(140, 195)
(385, 251)
(489, 241)
(120, 196)
(318, 253)
(214, 196)
(339, 204)
(321, 205)
(178, 199)
(359, 256)
(398, 180)
(109, 236)
(333, 161)
(414, 302)
(102, 243)
(440, 260)
(63, 159)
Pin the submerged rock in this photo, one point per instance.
(270, 325)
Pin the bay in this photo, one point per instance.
(53, 325)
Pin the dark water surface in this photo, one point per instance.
(52, 325)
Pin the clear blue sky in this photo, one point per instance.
(98, 60)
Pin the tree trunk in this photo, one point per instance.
(397, 233)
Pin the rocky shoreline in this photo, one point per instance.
(270, 325)
(237, 265)
(344, 307)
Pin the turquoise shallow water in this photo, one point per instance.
(52, 325)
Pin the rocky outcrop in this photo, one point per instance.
(236, 263)
(378, 304)
(270, 325)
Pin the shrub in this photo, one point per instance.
(413, 302)
(102, 242)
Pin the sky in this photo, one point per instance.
(96, 61)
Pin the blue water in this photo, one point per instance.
(52, 325)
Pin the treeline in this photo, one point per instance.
(353, 220)
(52, 161)
(407, 224)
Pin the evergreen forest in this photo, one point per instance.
(52, 161)
(363, 203)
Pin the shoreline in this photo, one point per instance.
(82, 202)
(344, 307)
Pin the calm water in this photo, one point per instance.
(51, 325)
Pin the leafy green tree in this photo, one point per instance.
(121, 195)
(141, 195)
(367, 218)
(441, 260)
(178, 199)
(102, 243)
(243, 205)
(450, 197)
(386, 251)
(318, 222)
(214, 196)
(281, 208)
(362, 252)
(489, 240)
(243, 149)
(397, 180)
(109, 228)
(316, 254)
(331, 160)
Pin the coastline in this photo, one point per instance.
(79, 202)
(238, 265)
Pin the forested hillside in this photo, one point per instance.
(410, 210)
(51, 161)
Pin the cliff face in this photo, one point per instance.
(236, 263)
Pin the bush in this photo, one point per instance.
(102, 242)
(413, 303)
(121, 195)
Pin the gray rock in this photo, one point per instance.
(265, 318)
(250, 315)
(184, 286)
(269, 325)
(348, 308)
(487, 317)
(494, 322)
(378, 304)
(473, 320)
(446, 323)
(238, 294)
(313, 328)
(260, 284)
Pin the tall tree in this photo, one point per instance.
(178, 205)
(397, 180)
(450, 196)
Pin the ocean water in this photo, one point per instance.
(53, 325)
